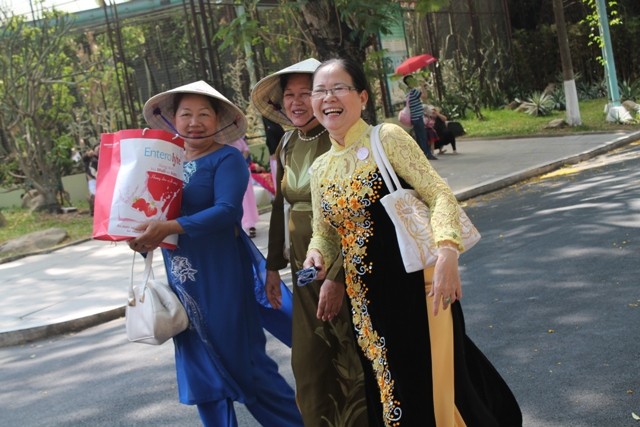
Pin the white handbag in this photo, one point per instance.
(153, 313)
(411, 216)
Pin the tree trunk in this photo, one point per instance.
(570, 92)
(48, 200)
(330, 36)
(332, 39)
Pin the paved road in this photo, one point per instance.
(551, 292)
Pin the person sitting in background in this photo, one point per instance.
(429, 123)
(444, 135)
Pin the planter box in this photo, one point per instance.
(75, 185)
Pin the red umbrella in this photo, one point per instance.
(415, 63)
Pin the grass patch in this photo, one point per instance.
(78, 225)
(510, 123)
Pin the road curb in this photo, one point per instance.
(24, 336)
(492, 186)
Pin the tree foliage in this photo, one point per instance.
(326, 27)
(37, 101)
(322, 28)
(593, 21)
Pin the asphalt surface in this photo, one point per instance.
(85, 283)
(551, 291)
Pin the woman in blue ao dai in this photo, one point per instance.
(221, 357)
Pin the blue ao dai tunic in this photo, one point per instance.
(210, 271)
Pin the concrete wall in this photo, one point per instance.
(10, 199)
(75, 185)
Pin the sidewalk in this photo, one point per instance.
(85, 284)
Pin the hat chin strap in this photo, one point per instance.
(157, 112)
(308, 121)
(206, 136)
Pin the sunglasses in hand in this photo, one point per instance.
(307, 275)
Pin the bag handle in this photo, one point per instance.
(386, 170)
(147, 274)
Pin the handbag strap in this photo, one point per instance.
(287, 207)
(147, 274)
(386, 170)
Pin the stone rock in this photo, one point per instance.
(35, 241)
(513, 105)
(631, 106)
(556, 124)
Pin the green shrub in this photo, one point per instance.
(559, 99)
(539, 104)
(629, 90)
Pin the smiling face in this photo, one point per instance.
(337, 113)
(196, 121)
(296, 99)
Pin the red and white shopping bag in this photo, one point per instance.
(139, 179)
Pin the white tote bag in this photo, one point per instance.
(411, 216)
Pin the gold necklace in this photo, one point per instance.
(302, 138)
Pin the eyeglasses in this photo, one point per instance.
(338, 91)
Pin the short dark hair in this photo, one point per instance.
(284, 79)
(407, 77)
(179, 96)
(353, 68)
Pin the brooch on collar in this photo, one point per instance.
(362, 153)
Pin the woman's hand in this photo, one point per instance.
(446, 287)
(330, 301)
(272, 289)
(152, 234)
(314, 259)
